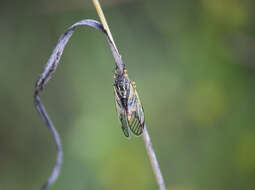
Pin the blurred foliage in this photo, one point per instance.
(193, 62)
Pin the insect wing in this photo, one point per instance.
(121, 114)
(124, 124)
(135, 112)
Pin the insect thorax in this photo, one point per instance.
(122, 88)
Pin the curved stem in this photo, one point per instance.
(55, 172)
(45, 76)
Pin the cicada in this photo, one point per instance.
(128, 105)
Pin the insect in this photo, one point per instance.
(128, 105)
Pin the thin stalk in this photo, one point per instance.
(146, 136)
(49, 70)
(103, 20)
(153, 159)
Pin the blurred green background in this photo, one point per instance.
(194, 65)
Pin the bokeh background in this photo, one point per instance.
(194, 65)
